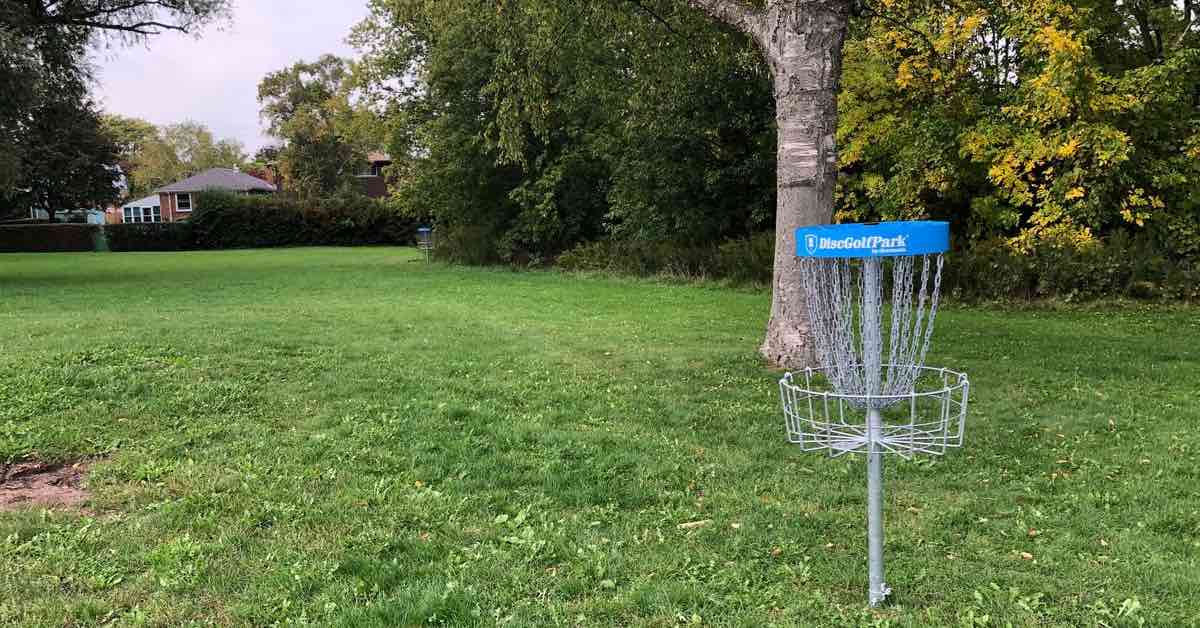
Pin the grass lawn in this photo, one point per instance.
(351, 437)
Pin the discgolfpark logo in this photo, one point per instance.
(874, 244)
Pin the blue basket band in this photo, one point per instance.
(881, 239)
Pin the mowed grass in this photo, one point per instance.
(358, 438)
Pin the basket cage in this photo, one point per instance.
(929, 419)
(425, 239)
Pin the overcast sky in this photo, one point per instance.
(214, 79)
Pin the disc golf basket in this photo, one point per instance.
(871, 287)
(425, 241)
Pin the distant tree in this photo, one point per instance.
(307, 106)
(178, 151)
(43, 59)
(71, 162)
(131, 136)
(267, 154)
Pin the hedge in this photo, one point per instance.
(165, 236)
(50, 238)
(227, 221)
(235, 221)
(990, 271)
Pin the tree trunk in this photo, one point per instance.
(804, 47)
(802, 42)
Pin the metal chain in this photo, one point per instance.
(849, 346)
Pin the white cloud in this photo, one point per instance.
(213, 78)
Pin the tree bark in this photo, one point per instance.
(802, 41)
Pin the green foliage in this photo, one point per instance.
(44, 76)
(1119, 266)
(70, 162)
(223, 220)
(308, 106)
(40, 238)
(177, 151)
(131, 136)
(543, 125)
(163, 236)
(1042, 123)
(540, 126)
(743, 261)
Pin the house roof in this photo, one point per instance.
(219, 179)
(149, 201)
(376, 156)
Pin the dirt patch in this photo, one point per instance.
(33, 484)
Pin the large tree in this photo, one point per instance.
(43, 49)
(801, 41)
(71, 163)
(307, 106)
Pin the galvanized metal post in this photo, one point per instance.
(871, 334)
(878, 588)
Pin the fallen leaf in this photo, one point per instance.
(694, 524)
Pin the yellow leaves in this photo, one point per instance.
(1068, 149)
(904, 74)
(1193, 146)
(1138, 206)
(1058, 42)
(956, 31)
(1074, 193)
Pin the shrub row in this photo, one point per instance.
(50, 238)
(166, 236)
(232, 221)
(747, 260)
(228, 221)
(1118, 267)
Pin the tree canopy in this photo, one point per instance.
(545, 124)
(43, 72)
(174, 152)
(308, 106)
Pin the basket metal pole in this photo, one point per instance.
(872, 349)
(878, 589)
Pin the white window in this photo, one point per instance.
(183, 202)
(141, 214)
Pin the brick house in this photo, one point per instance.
(175, 202)
(373, 183)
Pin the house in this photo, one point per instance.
(147, 209)
(176, 201)
(373, 183)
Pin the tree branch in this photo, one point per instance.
(735, 14)
(140, 28)
(658, 18)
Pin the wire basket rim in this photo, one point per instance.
(789, 381)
